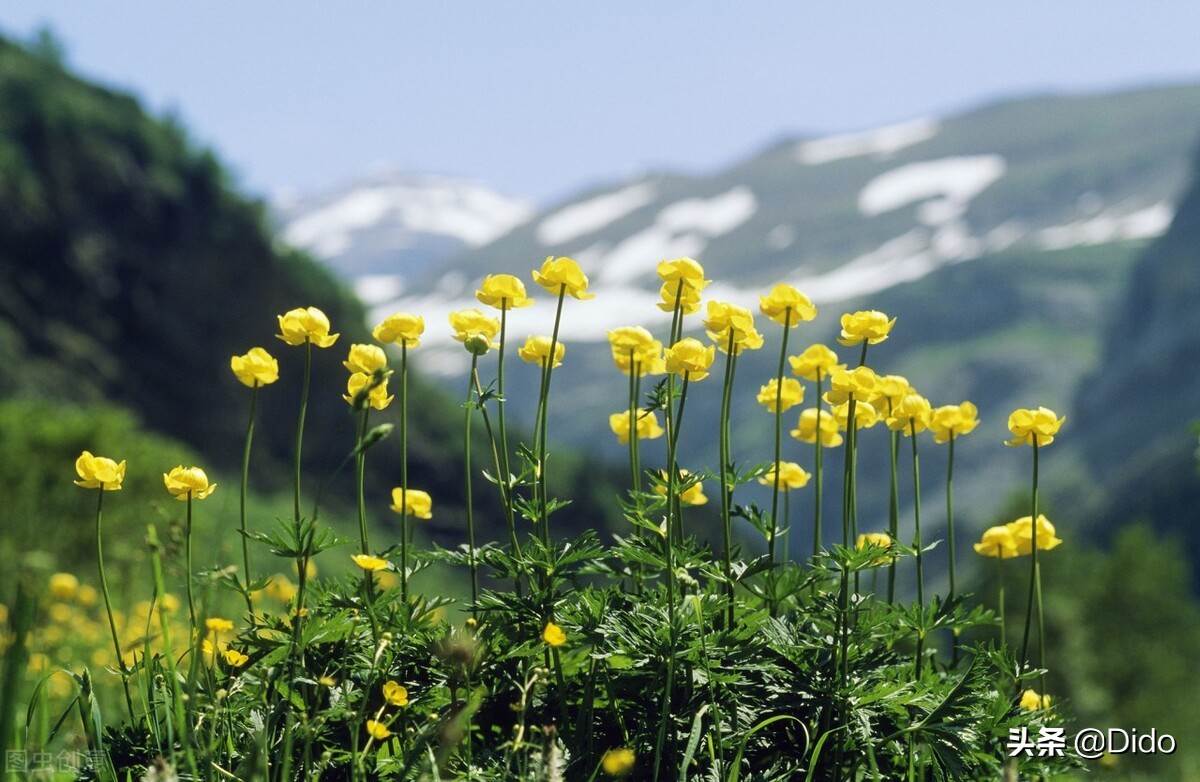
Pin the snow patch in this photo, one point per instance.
(1108, 226)
(954, 180)
(879, 142)
(377, 288)
(587, 217)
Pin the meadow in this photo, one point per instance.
(660, 653)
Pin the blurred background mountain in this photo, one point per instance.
(1037, 250)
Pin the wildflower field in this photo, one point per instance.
(661, 653)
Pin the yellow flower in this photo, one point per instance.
(911, 414)
(634, 345)
(378, 730)
(727, 321)
(1022, 532)
(537, 349)
(791, 476)
(870, 326)
(997, 542)
(685, 270)
(369, 563)
(889, 390)
(256, 367)
(554, 635)
(647, 427)
(395, 693)
(618, 762)
(418, 503)
(184, 482)
(671, 295)
(474, 329)
(400, 328)
(689, 358)
(692, 495)
(953, 421)
(880, 539)
(1031, 701)
(365, 359)
(216, 624)
(859, 382)
(562, 274)
(1033, 427)
(377, 397)
(99, 472)
(64, 586)
(865, 415)
(806, 429)
(503, 291)
(281, 588)
(306, 324)
(791, 395)
(327, 681)
(787, 306)
(234, 658)
(815, 363)
(88, 595)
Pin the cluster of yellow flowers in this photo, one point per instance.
(395, 694)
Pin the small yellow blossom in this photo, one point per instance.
(503, 291)
(184, 482)
(728, 324)
(563, 275)
(787, 306)
(537, 349)
(910, 416)
(870, 326)
(415, 502)
(690, 358)
(889, 390)
(646, 425)
(844, 383)
(791, 476)
(692, 495)
(1031, 701)
(997, 542)
(369, 563)
(99, 472)
(306, 324)
(633, 347)
(553, 635)
(216, 624)
(671, 295)
(1033, 427)
(806, 428)
(865, 415)
(395, 693)
(327, 681)
(378, 730)
(64, 586)
(880, 539)
(377, 397)
(234, 658)
(685, 270)
(815, 363)
(953, 421)
(474, 329)
(787, 397)
(1022, 532)
(400, 328)
(365, 359)
(256, 367)
(618, 762)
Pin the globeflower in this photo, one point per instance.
(537, 349)
(870, 326)
(400, 328)
(365, 359)
(1033, 427)
(307, 324)
(1022, 532)
(950, 421)
(997, 542)
(377, 397)
(911, 415)
(787, 306)
(634, 345)
(395, 693)
(618, 762)
(559, 275)
(889, 390)
(685, 270)
(183, 483)
(369, 563)
(256, 367)
(815, 363)
(690, 359)
(553, 635)
(806, 429)
(880, 539)
(844, 383)
(791, 476)
(692, 495)
(99, 472)
(865, 415)
(791, 395)
(215, 624)
(474, 329)
(503, 291)
(1031, 701)
(415, 502)
(671, 295)
(64, 586)
(234, 658)
(728, 323)
(378, 731)
(646, 425)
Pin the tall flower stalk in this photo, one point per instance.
(910, 416)
(815, 364)
(469, 408)
(948, 423)
(188, 484)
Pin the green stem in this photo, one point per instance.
(723, 477)
(300, 424)
(545, 409)
(242, 499)
(187, 555)
(893, 504)
(467, 489)
(818, 448)
(1035, 576)
(112, 625)
(787, 323)
(950, 537)
(404, 531)
(917, 542)
(1000, 597)
(632, 428)
(509, 514)
(360, 461)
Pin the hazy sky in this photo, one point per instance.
(542, 98)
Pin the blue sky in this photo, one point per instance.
(541, 99)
